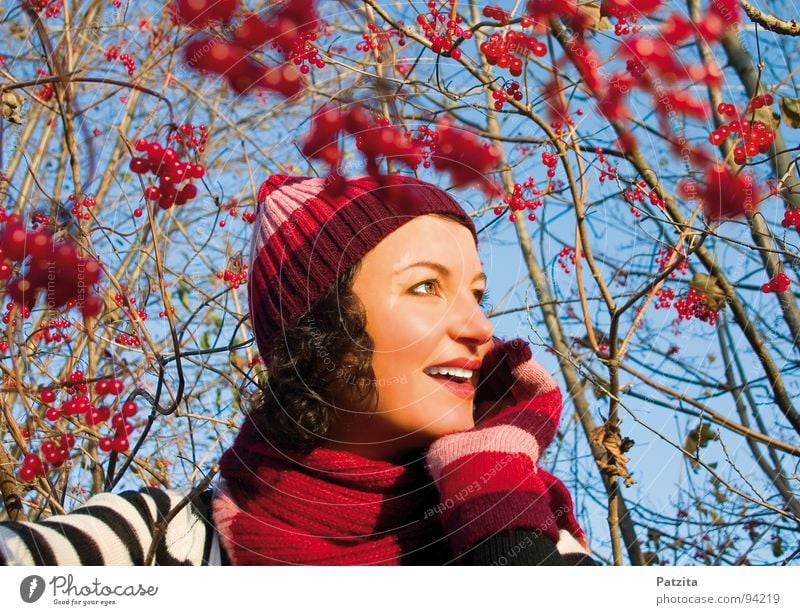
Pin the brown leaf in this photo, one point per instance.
(10, 106)
(706, 284)
(790, 107)
(765, 114)
(608, 437)
(596, 19)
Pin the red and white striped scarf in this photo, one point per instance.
(324, 507)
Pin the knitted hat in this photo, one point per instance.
(304, 239)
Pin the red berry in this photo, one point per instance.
(140, 165)
(48, 396)
(26, 475)
(129, 409)
(39, 244)
(187, 193)
(101, 387)
(199, 13)
(13, 241)
(154, 151)
(92, 306)
(52, 414)
(106, 444)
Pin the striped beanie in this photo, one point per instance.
(305, 238)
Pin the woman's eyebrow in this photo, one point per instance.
(438, 267)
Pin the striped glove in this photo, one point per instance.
(487, 477)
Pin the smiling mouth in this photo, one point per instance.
(460, 386)
(458, 379)
(454, 374)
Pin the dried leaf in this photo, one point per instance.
(10, 106)
(706, 284)
(650, 558)
(790, 107)
(698, 438)
(765, 114)
(595, 18)
(607, 436)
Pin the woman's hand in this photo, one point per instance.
(487, 477)
(511, 378)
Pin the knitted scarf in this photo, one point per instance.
(324, 507)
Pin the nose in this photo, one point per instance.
(469, 324)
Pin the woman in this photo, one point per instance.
(364, 447)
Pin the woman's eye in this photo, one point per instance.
(483, 297)
(429, 283)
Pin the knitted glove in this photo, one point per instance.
(487, 477)
(511, 378)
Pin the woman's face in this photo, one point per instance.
(421, 287)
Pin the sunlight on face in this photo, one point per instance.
(421, 288)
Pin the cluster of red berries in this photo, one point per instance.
(509, 51)
(52, 266)
(86, 202)
(665, 298)
(468, 161)
(375, 39)
(757, 138)
(291, 30)
(516, 201)
(55, 453)
(442, 29)
(630, 8)
(550, 160)
(511, 90)
(728, 194)
(757, 102)
(608, 171)
(779, 284)
(51, 8)
(566, 253)
(374, 139)
(164, 163)
(112, 53)
(79, 404)
(664, 259)
(185, 137)
(234, 276)
(427, 139)
(693, 305)
(379, 139)
(125, 339)
(626, 24)
(53, 332)
(791, 217)
(498, 14)
(24, 310)
(46, 91)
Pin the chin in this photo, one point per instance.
(458, 419)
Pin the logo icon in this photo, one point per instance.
(31, 588)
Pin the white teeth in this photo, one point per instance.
(450, 371)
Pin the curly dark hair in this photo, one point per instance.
(321, 364)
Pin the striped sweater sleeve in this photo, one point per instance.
(111, 529)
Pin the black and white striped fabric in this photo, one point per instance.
(111, 529)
